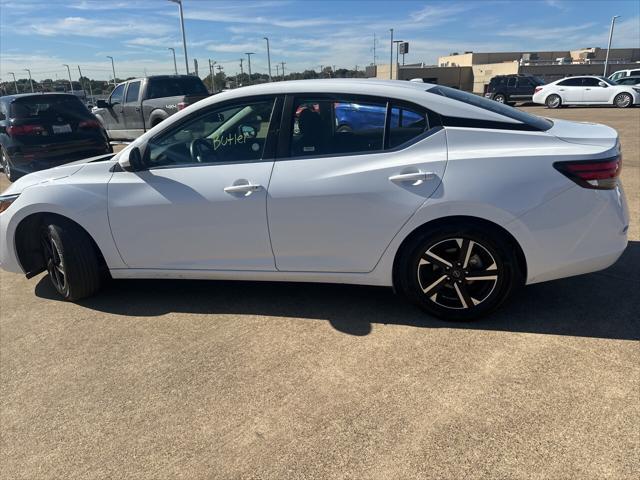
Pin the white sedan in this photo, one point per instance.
(452, 199)
(587, 90)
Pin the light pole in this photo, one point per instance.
(241, 71)
(283, 64)
(213, 87)
(391, 58)
(175, 65)
(88, 80)
(268, 58)
(113, 68)
(30, 81)
(606, 60)
(15, 83)
(69, 71)
(248, 54)
(397, 42)
(184, 38)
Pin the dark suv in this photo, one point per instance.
(510, 89)
(43, 130)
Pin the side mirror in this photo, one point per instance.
(102, 104)
(131, 160)
(603, 84)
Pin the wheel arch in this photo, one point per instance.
(27, 241)
(157, 116)
(465, 220)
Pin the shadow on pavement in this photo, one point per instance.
(601, 305)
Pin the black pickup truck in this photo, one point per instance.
(137, 105)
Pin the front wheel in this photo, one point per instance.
(553, 101)
(70, 259)
(500, 98)
(623, 100)
(458, 273)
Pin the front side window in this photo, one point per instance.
(235, 133)
(338, 127)
(511, 82)
(590, 82)
(132, 92)
(117, 95)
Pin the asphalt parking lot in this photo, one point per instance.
(168, 379)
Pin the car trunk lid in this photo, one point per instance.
(584, 133)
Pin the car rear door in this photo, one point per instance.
(132, 109)
(571, 90)
(338, 196)
(201, 202)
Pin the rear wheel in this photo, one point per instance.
(70, 259)
(458, 273)
(9, 171)
(553, 101)
(623, 100)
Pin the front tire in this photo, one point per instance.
(553, 101)
(458, 272)
(623, 100)
(71, 259)
(500, 98)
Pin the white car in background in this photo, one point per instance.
(623, 73)
(586, 90)
(452, 199)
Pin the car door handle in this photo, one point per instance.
(587, 89)
(243, 188)
(137, 109)
(412, 177)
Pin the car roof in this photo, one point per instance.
(11, 98)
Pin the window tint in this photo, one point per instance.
(132, 92)
(175, 86)
(49, 107)
(571, 82)
(511, 82)
(406, 124)
(634, 72)
(532, 121)
(226, 134)
(590, 82)
(116, 95)
(322, 127)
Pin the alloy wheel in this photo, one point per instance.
(554, 101)
(623, 101)
(54, 262)
(458, 273)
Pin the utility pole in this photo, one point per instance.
(606, 60)
(213, 87)
(268, 58)
(69, 71)
(277, 70)
(241, 70)
(113, 68)
(283, 64)
(184, 38)
(90, 87)
(248, 54)
(375, 41)
(391, 59)
(195, 66)
(30, 81)
(15, 83)
(175, 65)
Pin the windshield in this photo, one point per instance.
(534, 121)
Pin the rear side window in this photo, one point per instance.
(406, 124)
(323, 127)
(175, 87)
(511, 82)
(634, 72)
(571, 82)
(133, 90)
(532, 121)
(49, 107)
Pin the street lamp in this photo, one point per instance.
(397, 42)
(391, 57)
(606, 60)
(69, 71)
(30, 81)
(113, 68)
(184, 38)
(268, 58)
(175, 65)
(248, 54)
(15, 83)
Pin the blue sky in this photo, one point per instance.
(43, 35)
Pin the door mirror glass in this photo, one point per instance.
(102, 104)
(131, 160)
(602, 84)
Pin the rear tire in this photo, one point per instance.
(8, 168)
(71, 259)
(623, 100)
(458, 272)
(553, 101)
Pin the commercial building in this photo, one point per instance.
(472, 71)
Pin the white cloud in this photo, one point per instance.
(87, 27)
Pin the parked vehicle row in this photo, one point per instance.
(455, 200)
(586, 90)
(138, 105)
(39, 131)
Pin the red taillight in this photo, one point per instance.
(16, 130)
(89, 124)
(537, 89)
(182, 105)
(599, 174)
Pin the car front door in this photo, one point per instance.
(112, 115)
(594, 92)
(132, 109)
(338, 196)
(200, 201)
